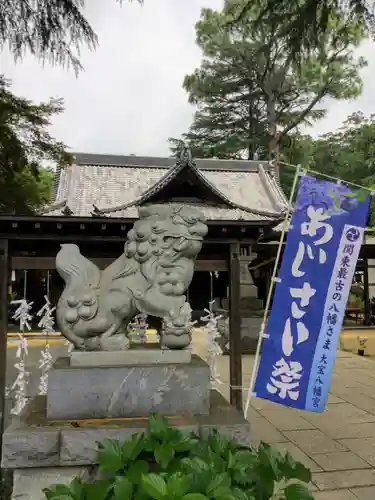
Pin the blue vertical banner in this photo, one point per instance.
(316, 274)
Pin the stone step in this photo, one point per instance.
(33, 441)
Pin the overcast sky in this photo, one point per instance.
(129, 99)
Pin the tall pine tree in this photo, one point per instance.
(250, 96)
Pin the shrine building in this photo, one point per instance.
(95, 203)
(96, 200)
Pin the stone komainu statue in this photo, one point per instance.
(150, 277)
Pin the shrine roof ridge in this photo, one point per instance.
(110, 160)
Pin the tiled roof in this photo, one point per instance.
(116, 185)
(209, 212)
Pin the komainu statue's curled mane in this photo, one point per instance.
(151, 277)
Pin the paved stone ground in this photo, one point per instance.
(339, 445)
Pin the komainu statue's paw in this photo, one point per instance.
(176, 331)
(117, 342)
(78, 343)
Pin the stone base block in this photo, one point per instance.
(127, 391)
(226, 419)
(132, 357)
(33, 441)
(250, 329)
(29, 483)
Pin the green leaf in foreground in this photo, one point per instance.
(195, 496)
(136, 470)
(164, 454)
(158, 425)
(98, 490)
(154, 485)
(58, 492)
(123, 489)
(298, 492)
(110, 456)
(219, 482)
(291, 469)
(133, 447)
(178, 485)
(77, 487)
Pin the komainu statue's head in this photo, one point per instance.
(162, 229)
(167, 237)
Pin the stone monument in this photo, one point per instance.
(107, 387)
(251, 309)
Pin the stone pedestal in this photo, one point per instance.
(56, 436)
(43, 453)
(136, 356)
(81, 392)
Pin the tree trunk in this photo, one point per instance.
(274, 142)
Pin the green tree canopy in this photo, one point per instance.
(249, 95)
(25, 146)
(52, 30)
(30, 189)
(348, 153)
(302, 24)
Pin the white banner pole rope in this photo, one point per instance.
(326, 176)
(262, 333)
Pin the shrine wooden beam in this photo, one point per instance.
(77, 238)
(69, 220)
(4, 280)
(76, 229)
(235, 344)
(270, 249)
(48, 263)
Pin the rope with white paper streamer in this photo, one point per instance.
(262, 334)
(24, 316)
(137, 329)
(47, 324)
(214, 349)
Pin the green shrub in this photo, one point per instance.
(165, 463)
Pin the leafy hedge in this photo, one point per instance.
(165, 463)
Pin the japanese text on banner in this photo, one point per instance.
(334, 312)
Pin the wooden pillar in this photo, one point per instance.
(267, 278)
(235, 347)
(4, 282)
(366, 293)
